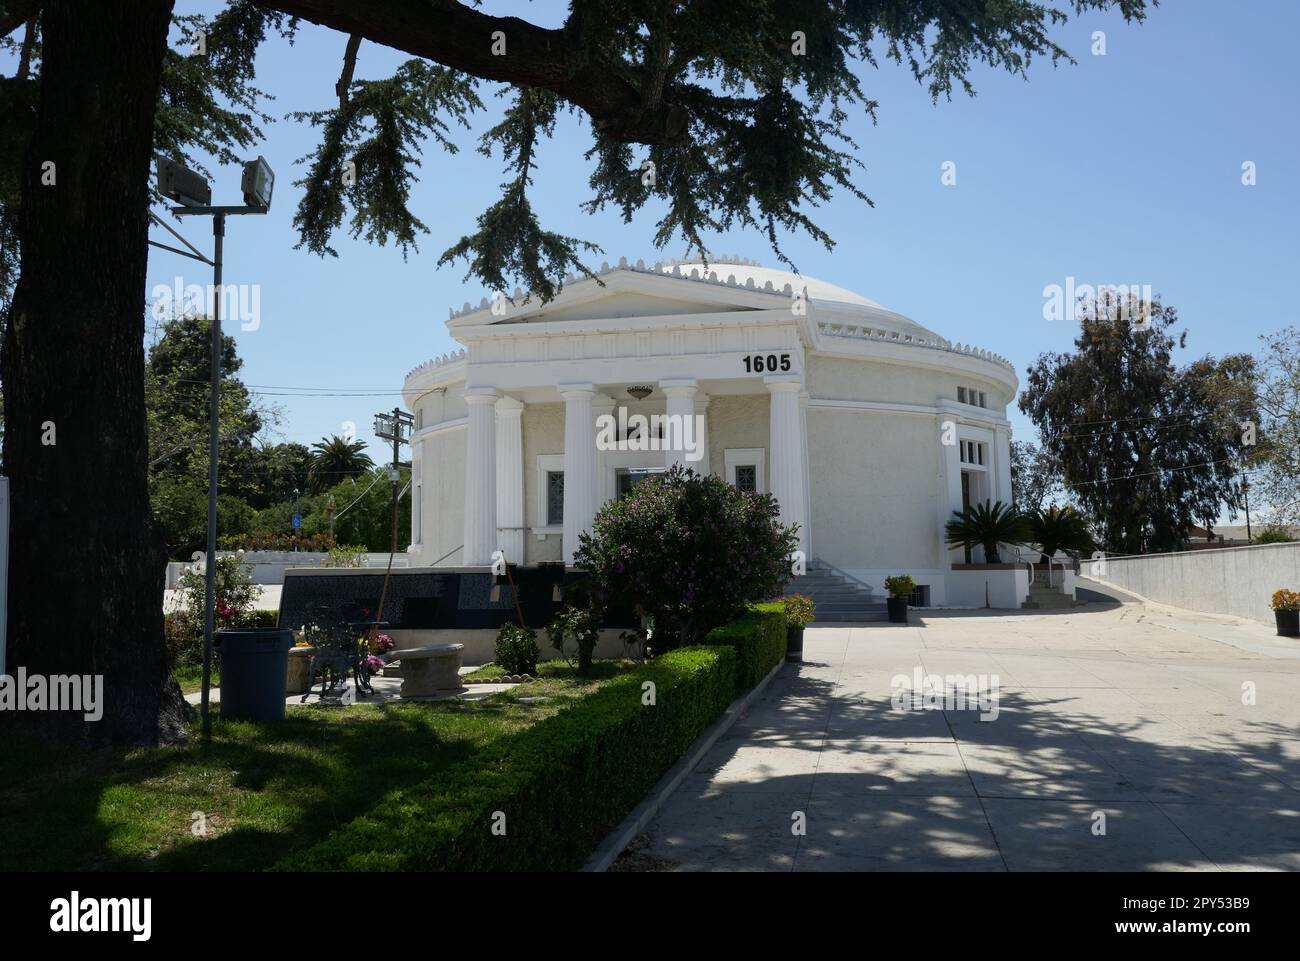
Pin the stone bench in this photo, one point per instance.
(431, 669)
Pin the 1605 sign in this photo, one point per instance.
(758, 363)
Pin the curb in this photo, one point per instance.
(612, 846)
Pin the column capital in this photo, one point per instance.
(783, 383)
(679, 387)
(511, 406)
(577, 391)
(481, 395)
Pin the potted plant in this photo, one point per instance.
(1286, 609)
(900, 587)
(799, 613)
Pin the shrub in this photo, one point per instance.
(759, 640)
(800, 610)
(900, 586)
(235, 592)
(1285, 600)
(1273, 534)
(517, 651)
(562, 784)
(260, 618)
(691, 551)
(346, 555)
(583, 625)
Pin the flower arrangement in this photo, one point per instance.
(378, 644)
(1284, 600)
(799, 610)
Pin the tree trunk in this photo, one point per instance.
(86, 571)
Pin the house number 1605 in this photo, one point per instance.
(771, 362)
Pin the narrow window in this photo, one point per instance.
(554, 498)
(961, 395)
(747, 477)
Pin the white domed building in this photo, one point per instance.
(867, 427)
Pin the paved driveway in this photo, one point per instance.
(1121, 742)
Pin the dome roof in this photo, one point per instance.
(819, 291)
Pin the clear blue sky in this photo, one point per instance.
(1123, 168)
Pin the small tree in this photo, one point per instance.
(691, 551)
(1059, 529)
(987, 525)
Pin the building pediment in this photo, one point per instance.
(628, 291)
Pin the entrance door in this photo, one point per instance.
(627, 478)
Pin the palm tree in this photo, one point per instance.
(987, 525)
(1060, 529)
(333, 459)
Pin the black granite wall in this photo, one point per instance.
(438, 599)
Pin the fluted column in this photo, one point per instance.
(786, 444)
(702, 421)
(510, 478)
(579, 464)
(806, 534)
(681, 421)
(601, 406)
(480, 476)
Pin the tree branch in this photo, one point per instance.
(457, 36)
(349, 67)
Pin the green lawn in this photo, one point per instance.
(266, 790)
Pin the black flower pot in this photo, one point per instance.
(1288, 623)
(897, 610)
(793, 643)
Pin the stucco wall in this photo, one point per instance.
(1235, 580)
(737, 422)
(875, 489)
(846, 378)
(442, 479)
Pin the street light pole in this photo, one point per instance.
(214, 417)
(195, 196)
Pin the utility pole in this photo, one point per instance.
(395, 427)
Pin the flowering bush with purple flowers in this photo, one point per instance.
(690, 551)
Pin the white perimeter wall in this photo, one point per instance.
(1236, 580)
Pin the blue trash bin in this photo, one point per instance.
(254, 671)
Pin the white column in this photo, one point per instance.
(602, 405)
(579, 464)
(949, 486)
(681, 418)
(807, 476)
(1001, 466)
(786, 444)
(480, 477)
(702, 420)
(510, 478)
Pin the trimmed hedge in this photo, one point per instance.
(759, 640)
(561, 784)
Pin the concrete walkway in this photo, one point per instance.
(1123, 719)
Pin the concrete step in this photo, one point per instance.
(851, 617)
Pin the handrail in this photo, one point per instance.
(1020, 557)
(818, 562)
